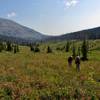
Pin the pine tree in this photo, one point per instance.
(31, 47)
(74, 51)
(49, 50)
(1, 46)
(15, 50)
(9, 46)
(4, 46)
(79, 51)
(84, 50)
(67, 47)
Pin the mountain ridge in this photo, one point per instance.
(91, 34)
(14, 32)
(13, 29)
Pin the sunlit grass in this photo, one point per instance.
(28, 75)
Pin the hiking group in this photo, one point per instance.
(77, 62)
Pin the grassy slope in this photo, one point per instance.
(41, 75)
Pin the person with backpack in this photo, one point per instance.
(77, 62)
(70, 59)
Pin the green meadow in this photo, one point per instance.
(46, 76)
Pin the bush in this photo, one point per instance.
(34, 47)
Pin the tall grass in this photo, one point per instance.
(41, 76)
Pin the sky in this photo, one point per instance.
(53, 17)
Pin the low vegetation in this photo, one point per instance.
(45, 75)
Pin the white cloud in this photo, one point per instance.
(70, 3)
(12, 14)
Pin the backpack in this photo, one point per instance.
(77, 60)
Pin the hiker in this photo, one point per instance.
(70, 59)
(77, 62)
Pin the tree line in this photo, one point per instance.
(8, 46)
(82, 50)
(69, 46)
